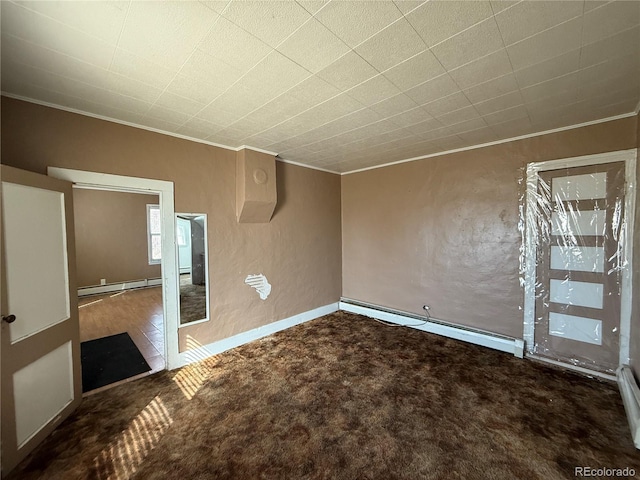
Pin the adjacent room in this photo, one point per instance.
(320, 239)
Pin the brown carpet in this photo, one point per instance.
(344, 397)
(193, 303)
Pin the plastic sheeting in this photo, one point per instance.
(574, 224)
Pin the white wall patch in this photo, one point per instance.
(259, 282)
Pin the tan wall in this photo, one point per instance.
(111, 236)
(444, 231)
(298, 251)
(635, 317)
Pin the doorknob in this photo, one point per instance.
(9, 318)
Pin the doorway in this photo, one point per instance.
(119, 286)
(579, 223)
(169, 269)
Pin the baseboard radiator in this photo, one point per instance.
(117, 287)
(503, 343)
(631, 399)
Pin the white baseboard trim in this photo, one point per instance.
(514, 346)
(200, 353)
(117, 287)
(631, 398)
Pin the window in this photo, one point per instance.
(153, 234)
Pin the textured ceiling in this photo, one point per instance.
(335, 85)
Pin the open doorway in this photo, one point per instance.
(118, 264)
(169, 269)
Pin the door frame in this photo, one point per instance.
(629, 157)
(169, 265)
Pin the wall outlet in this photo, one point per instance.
(103, 281)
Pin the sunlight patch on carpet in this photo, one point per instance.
(122, 457)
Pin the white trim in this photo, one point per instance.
(200, 353)
(298, 164)
(151, 260)
(169, 265)
(255, 149)
(431, 325)
(118, 287)
(631, 399)
(569, 366)
(630, 158)
(206, 272)
(496, 142)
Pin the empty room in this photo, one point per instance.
(320, 239)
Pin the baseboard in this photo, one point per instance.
(631, 398)
(486, 339)
(200, 353)
(117, 287)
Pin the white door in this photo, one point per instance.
(40, 369)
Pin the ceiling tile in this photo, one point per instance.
(355, 22)
(613, 18)
(233, 46)
(313, 90)
(374, 90)
(513, 128)
(217, 6)
(394, 105)
(502, 102)
(447, 104)
(499, 5)
(48, 33)
(507, 115)
(266, 78)
(410, 117)
(433, 89)
(141, 69)
(198, 128)
(491, 89)
(528, 18)
(284, 19)
(405, 6)
(548, 88)
(194, 89)
(166, 114)
(101, 20)
(624, 43)
(479, 136)
(461, 116)
(479, 71)
(175, 102)
(415, 70)
(312, 6)
(545, 45)
(313, 46)
(626, 66)
(20, 51)
(166, 32)
(348, 71)
(475, 42)
(206, 69)
(438, 21)
(391, 46)
(549, 69)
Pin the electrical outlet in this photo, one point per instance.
(103, 281)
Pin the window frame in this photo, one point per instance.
(150, 235)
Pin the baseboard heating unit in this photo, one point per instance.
(631, 399)
(503, 343)
(117, 287)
